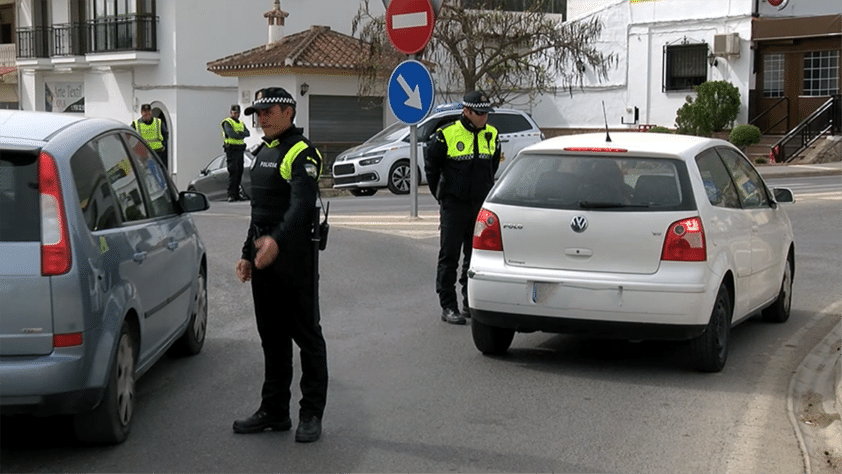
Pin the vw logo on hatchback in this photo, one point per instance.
(579, 224)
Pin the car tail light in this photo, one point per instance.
(67, 340)
(487, 232)
(685, 241)
(55, 237)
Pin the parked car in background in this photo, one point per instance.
(102, 269)
(212, 181)
(643, 236)
(382, 161)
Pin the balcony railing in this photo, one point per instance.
(69, 39)
(123, 33)
(136, 32)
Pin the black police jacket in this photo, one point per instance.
(283, 208)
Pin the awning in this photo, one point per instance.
(765, 28)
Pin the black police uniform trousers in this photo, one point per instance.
(286, 306)
(457, 219)
(234, 163)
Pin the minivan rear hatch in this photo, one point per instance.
(26, 325)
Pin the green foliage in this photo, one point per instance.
(715, 108)
(744, 135)
(760, 160)
(659, 129)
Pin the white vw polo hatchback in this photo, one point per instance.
(632, 235)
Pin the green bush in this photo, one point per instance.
(744, 135)
(715, 108)
(659, 129)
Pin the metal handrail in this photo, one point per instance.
(768, 110)
(807, 132)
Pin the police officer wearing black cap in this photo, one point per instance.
(234, 133)
(278, 259)
(460, 162)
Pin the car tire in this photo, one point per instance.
(491, 340)
(363, 192)
(110, 421)
(399, 177)
(193, 339)
(779, 311)
(710, 349)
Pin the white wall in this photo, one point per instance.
(636, 32)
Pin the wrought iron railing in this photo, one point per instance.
(69, 39)
(33, 42)
(136, 32)
(777, 105)
(825, 120)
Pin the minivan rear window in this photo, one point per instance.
(20, 212)
(595, 182)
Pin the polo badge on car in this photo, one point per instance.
(579, 224)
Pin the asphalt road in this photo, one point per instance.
(411, 393)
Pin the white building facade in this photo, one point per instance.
(665, 47)
(104, 58)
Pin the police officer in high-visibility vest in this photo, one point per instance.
(460, 162)
(278, 259)
(234, 133)
(154, 132)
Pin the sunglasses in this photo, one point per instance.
(477, 112)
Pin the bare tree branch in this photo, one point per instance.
(504, 53)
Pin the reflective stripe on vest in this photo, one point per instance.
(151, 133)
(239, 127)
(460, 142)
(292, 154)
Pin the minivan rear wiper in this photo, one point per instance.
(607, 205)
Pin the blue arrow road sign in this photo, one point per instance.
(411, 92)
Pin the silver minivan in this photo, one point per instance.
(102, 269)
(382, 161)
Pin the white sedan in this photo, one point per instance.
(632, 235)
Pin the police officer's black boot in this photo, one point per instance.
(261, 421)
(452, 316)
(309, 429)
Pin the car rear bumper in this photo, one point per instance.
(43, 386)
(670, 305)
(588, 327)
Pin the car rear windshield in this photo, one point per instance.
(20, 214)
(598, 182)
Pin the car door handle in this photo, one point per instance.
(505, 140)
(139, 257)
(172, 245)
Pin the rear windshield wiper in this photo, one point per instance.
(607, 205)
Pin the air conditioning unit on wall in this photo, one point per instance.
(726, 44)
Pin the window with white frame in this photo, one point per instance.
(773, 75)
(821, 73)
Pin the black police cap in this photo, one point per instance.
(478, 101)
(269, 96)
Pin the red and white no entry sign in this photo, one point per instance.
(409, 24)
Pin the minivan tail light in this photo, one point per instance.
(685, 241)
(487, 232)
(55, 237)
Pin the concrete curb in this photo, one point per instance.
(815, 402)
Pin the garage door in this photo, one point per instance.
(344, 119)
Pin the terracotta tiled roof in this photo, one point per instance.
(319, 48)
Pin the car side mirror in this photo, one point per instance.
(783, 195)
(192, 201)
